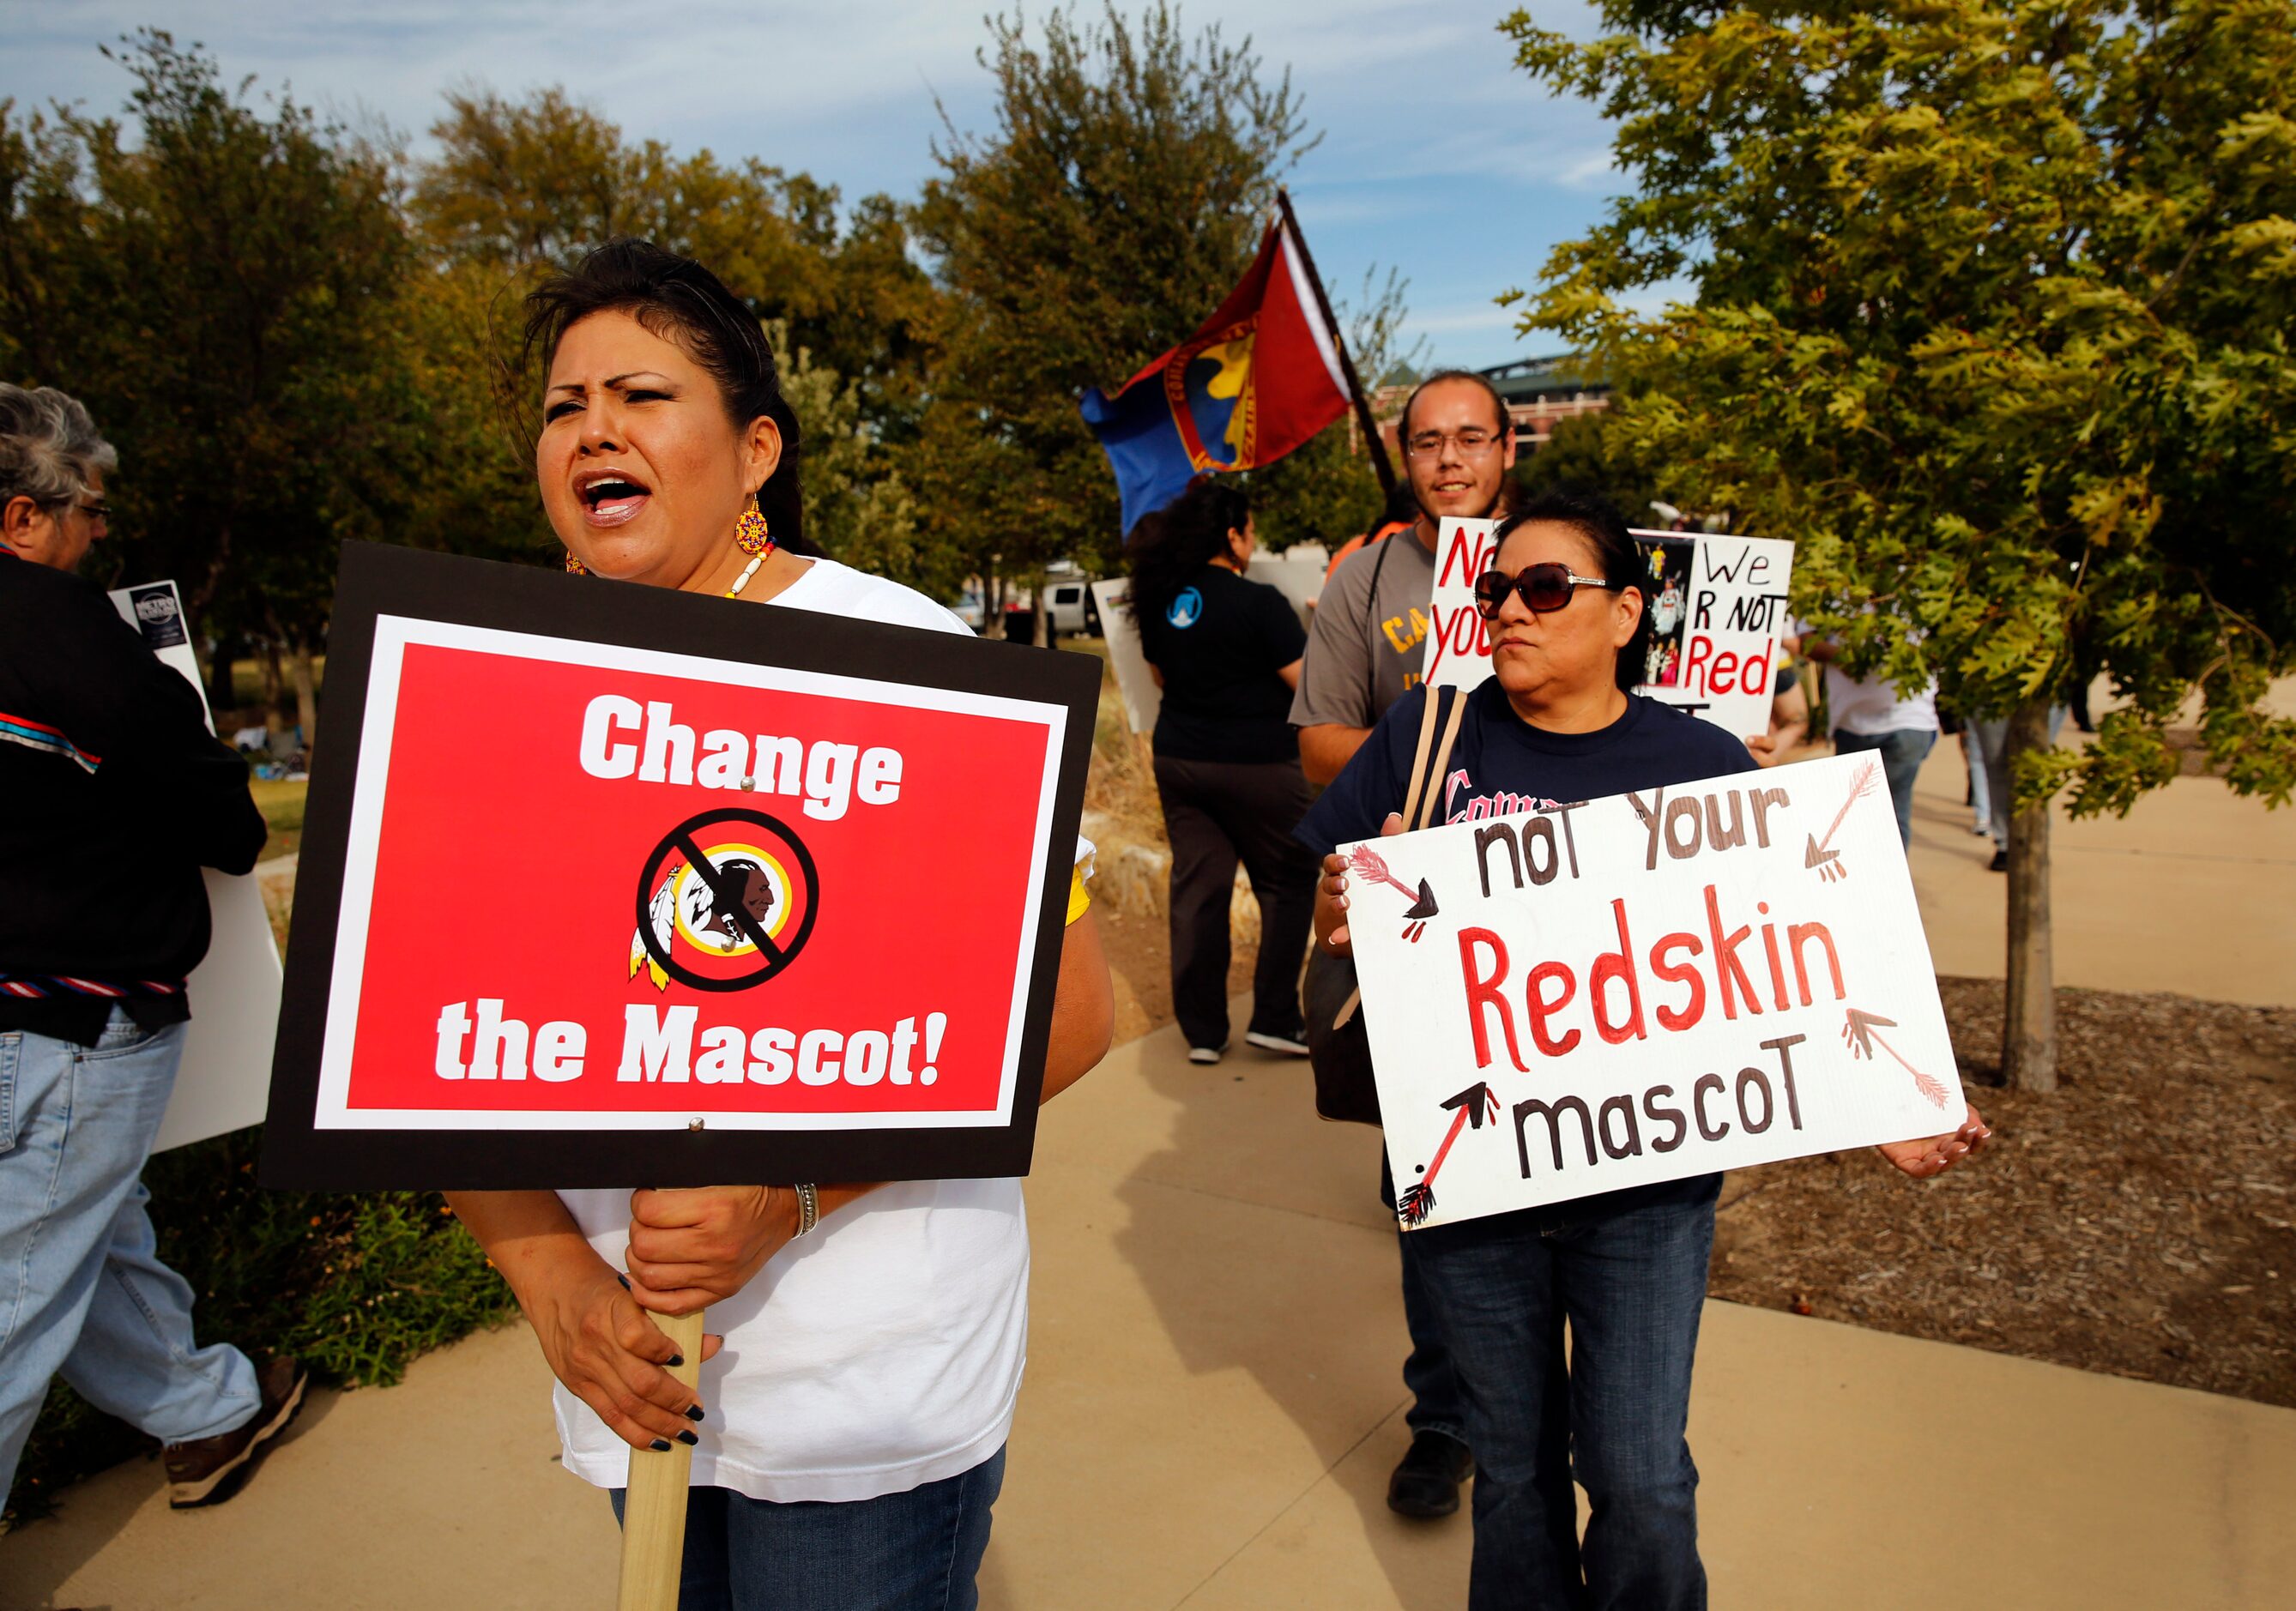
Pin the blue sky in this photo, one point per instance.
(1439, 158)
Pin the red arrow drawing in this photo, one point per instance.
(1858, 1032)
(1470, 1108)
(1367, 863)
(1828, 863)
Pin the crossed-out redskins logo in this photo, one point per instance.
(725, 901)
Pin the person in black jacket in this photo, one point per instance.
(1226, 654)
(117, 795)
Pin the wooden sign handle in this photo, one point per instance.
(654, 1510)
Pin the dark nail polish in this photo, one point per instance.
(624, 1281)
(688, 1438)
(694, 1414)
(661, 1445)
(676, 1359)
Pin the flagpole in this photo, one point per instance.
(1377, 444)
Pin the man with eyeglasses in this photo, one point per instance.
(117, 795)
(1366, 648)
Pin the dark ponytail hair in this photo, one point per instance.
(1617, 556)
(679, 300)
(1179, 539)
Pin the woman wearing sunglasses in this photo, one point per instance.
(1555, 722)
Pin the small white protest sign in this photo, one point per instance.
(1717, 607)
(1135, 682)
(223, 1080)
(1645, 987)
(1458, 641)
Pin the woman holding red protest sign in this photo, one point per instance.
(866, 1340)
(1625, 1270)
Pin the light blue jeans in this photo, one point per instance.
(82, 1290)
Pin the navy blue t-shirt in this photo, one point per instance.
(1502, 764)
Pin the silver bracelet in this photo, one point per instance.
(808, 1207)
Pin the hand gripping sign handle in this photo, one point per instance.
(654, 1510)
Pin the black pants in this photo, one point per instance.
(1216, 814)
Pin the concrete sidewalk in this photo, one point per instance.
(2193, 892)
(1211, 1410)
(1213, 1400)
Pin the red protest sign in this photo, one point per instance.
(623, 884)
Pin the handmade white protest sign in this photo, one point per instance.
(1609, 994)
(1717, 606)
(224, 1076)
(1458, 641)
(1135, 685)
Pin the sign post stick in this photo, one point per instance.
(653, 1511)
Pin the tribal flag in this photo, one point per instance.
(1259, 378)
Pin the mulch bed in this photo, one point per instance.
(2140, 1220)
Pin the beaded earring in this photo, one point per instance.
(751, 532)
(574, 566)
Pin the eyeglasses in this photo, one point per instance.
(1543, 588)
(97, 511)
(1472, 443)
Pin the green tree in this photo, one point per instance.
(1592, 451)
(1117, 199)
(519, 187)
(1992, 317)
(221, 291)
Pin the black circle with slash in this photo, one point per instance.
(726, 896)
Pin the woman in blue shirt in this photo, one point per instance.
(1226, 654)
(1627, 1269)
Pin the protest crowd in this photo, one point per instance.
(824, 1366)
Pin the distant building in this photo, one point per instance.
(1538, 391)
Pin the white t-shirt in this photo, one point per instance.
(1868, 707)
(884, 1351)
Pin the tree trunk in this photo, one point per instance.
(306, 694)
(273, 681)
(2028, 1020)
(221, 695)
(1040, 629)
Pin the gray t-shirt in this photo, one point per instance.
(1364, 653)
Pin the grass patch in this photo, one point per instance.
(281, 801)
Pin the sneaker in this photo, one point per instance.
(1206, 1054)
(211, 1470)
(2000, 862)
(1426, 1483)
(1289, 1045)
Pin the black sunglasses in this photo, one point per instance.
(1543, 588)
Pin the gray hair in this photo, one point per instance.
(48, 447)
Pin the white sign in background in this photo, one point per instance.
(1135, 682)
(1647, 987)
(224, 1081)
(1717, 605)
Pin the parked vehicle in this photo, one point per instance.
(971, 608)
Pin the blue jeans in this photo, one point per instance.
(1992, 736)
(1628, 1272)
(82, 1290)
(1902, 754)
(1436, 1404)
(914, 1551)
